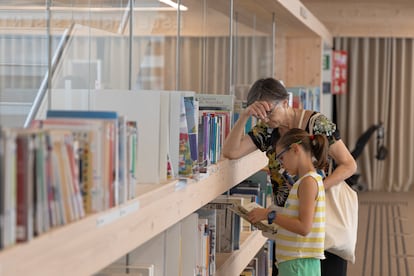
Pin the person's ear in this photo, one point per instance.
(295, 147)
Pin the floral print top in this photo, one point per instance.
(265, 138)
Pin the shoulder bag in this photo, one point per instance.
(341, 216)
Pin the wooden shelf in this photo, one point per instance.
(86, 246)
(234, 263)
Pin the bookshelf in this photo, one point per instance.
(234, 263)
(86, 246)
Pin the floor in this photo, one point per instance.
(385, 243)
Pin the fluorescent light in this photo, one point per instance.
(174, 5)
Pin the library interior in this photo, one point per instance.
(114, 115)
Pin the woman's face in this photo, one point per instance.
(278, 116)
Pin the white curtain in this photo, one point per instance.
(380, 89)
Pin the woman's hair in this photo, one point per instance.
(316, 144)
(268, 89)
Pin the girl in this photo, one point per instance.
(300, 238)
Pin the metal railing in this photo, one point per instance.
(44, 86)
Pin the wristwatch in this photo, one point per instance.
(271, 216)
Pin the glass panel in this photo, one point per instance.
(96, 55)
(154, 46)
(23, 57)
(253, 51)
(204, 46)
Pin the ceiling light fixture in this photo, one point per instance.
(174, 5)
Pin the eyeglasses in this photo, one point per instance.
(279, 156)
(269, 113)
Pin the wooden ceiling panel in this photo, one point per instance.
(367, 18)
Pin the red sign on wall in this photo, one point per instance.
(339, 72)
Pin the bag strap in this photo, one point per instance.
(301, 118)
(312, 120)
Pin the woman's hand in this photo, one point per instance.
(259, 109)
(257, 215)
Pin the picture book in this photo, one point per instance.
(243, 210)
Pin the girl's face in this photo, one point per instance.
(286, 156)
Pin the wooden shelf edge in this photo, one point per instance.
(86, 246)
(301, 13)
(235, 262)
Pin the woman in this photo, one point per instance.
(267, 100)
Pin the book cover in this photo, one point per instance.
(185, 167)
(211, 216)
(8, 163)
(24, 187)
(191, 112)
(90, 135)
(110, 147)
(243, 210)
(151, 111)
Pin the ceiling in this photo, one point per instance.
(363, 18)
(367, 18)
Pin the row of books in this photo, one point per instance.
(62, 168)
(305, 97)
(190, 247)
(181, 132)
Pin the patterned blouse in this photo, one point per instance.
(265, 138)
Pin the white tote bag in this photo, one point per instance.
(341, 216)
(341, 221)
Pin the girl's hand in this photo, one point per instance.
(257, 215)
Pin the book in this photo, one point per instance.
(211, 216)
(191, 112)
(110, 147)
(89, 135)
(243, 210)
(185, 167)
(228, 224)
(153, 127)
(8, 162)
(24, 186)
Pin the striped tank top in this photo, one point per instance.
(290, 245)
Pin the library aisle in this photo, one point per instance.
(385, 244)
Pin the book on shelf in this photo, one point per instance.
(41, 204)
(185, 167)
(211, 216)
(191, 112)
(306, 97)
(150, 109)
(131, 157)
(228, 224)
(24, 186)
(204, 248)
(110, 147)
(8, 161)
(215, 122)
(243, 210)
(90, 135)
